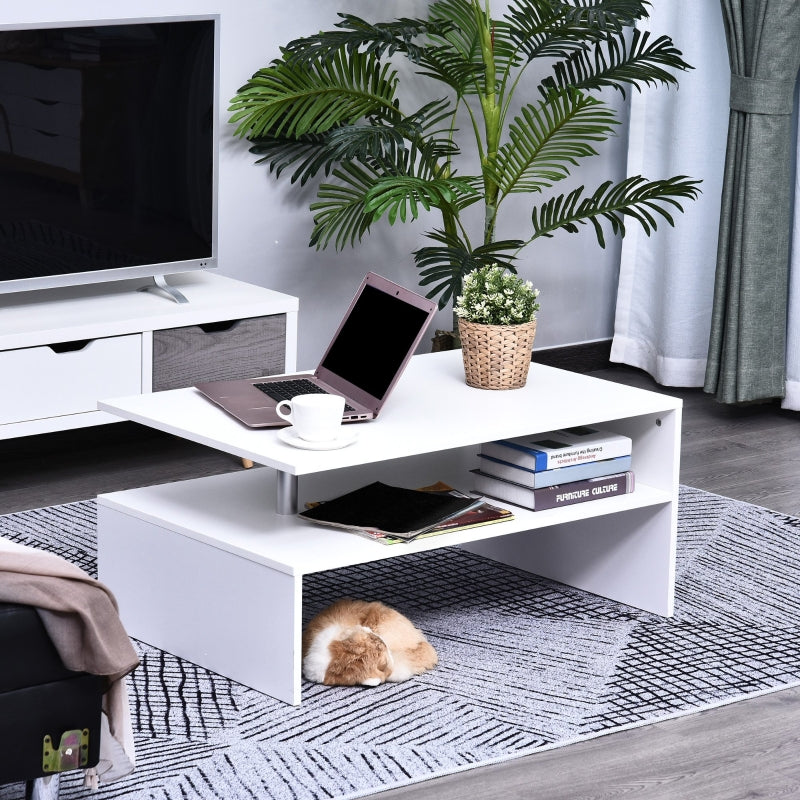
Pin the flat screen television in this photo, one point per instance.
(108, 150)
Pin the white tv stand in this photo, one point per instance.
(61, 350)
(209, 570)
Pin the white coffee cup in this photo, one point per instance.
(315, 417)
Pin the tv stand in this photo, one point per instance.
(62, 350)
(161, 283)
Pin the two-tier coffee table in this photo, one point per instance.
(211, 569)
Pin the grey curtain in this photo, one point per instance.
(747, 347)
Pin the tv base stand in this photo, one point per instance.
(161, 283)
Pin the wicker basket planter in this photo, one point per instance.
(496, 356)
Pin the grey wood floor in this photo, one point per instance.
(745, 750)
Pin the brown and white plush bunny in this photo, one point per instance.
(359, 643)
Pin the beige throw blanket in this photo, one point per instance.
(81, 617)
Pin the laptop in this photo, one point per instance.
(369, 351)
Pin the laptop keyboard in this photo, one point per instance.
(286, 390)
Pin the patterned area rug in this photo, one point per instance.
(525, 665)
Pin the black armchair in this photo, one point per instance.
(40, 702)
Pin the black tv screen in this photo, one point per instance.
(107, 151)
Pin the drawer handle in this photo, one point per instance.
(69, 347)
(218, 327)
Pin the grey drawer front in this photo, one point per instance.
(218, 351)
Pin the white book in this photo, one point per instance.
(563, 448)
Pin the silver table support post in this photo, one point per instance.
(287, 493)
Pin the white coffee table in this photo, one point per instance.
(209, 570)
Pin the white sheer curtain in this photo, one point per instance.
(792, 398)
(666, 283)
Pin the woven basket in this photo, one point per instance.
(496, 356)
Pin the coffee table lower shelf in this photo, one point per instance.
(208, 570)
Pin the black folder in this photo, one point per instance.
(400, 512)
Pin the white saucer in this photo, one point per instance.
(345, 438)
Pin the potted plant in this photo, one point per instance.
(330, 106)
(496, 323)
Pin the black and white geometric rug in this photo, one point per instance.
(525, 664)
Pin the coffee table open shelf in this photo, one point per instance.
(209, 570)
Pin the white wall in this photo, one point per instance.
(264, 226)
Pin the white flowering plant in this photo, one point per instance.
(492, 295)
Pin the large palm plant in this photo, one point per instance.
(330, 105)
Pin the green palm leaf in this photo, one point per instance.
(453, 69)
(379, 143)
(617, 63)
(555, 29)
(382, 141)
(446, 265)
(339, 212)
(461, 28)
(454, 58)
(607, 15)
(344, 211)
(357, 35)
(403, 195)
(541, 29)
(633, 197)
(307, 154)
(290, 100)
(548, 138)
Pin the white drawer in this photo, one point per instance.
(40, 382)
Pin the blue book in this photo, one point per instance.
(563, 448)
(552, 477)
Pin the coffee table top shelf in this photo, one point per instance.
(432, 409)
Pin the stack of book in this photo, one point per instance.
(393, 514)
(555, 469)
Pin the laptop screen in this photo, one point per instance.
(374, 341)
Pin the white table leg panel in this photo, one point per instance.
(627, 557)
(236, 617)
